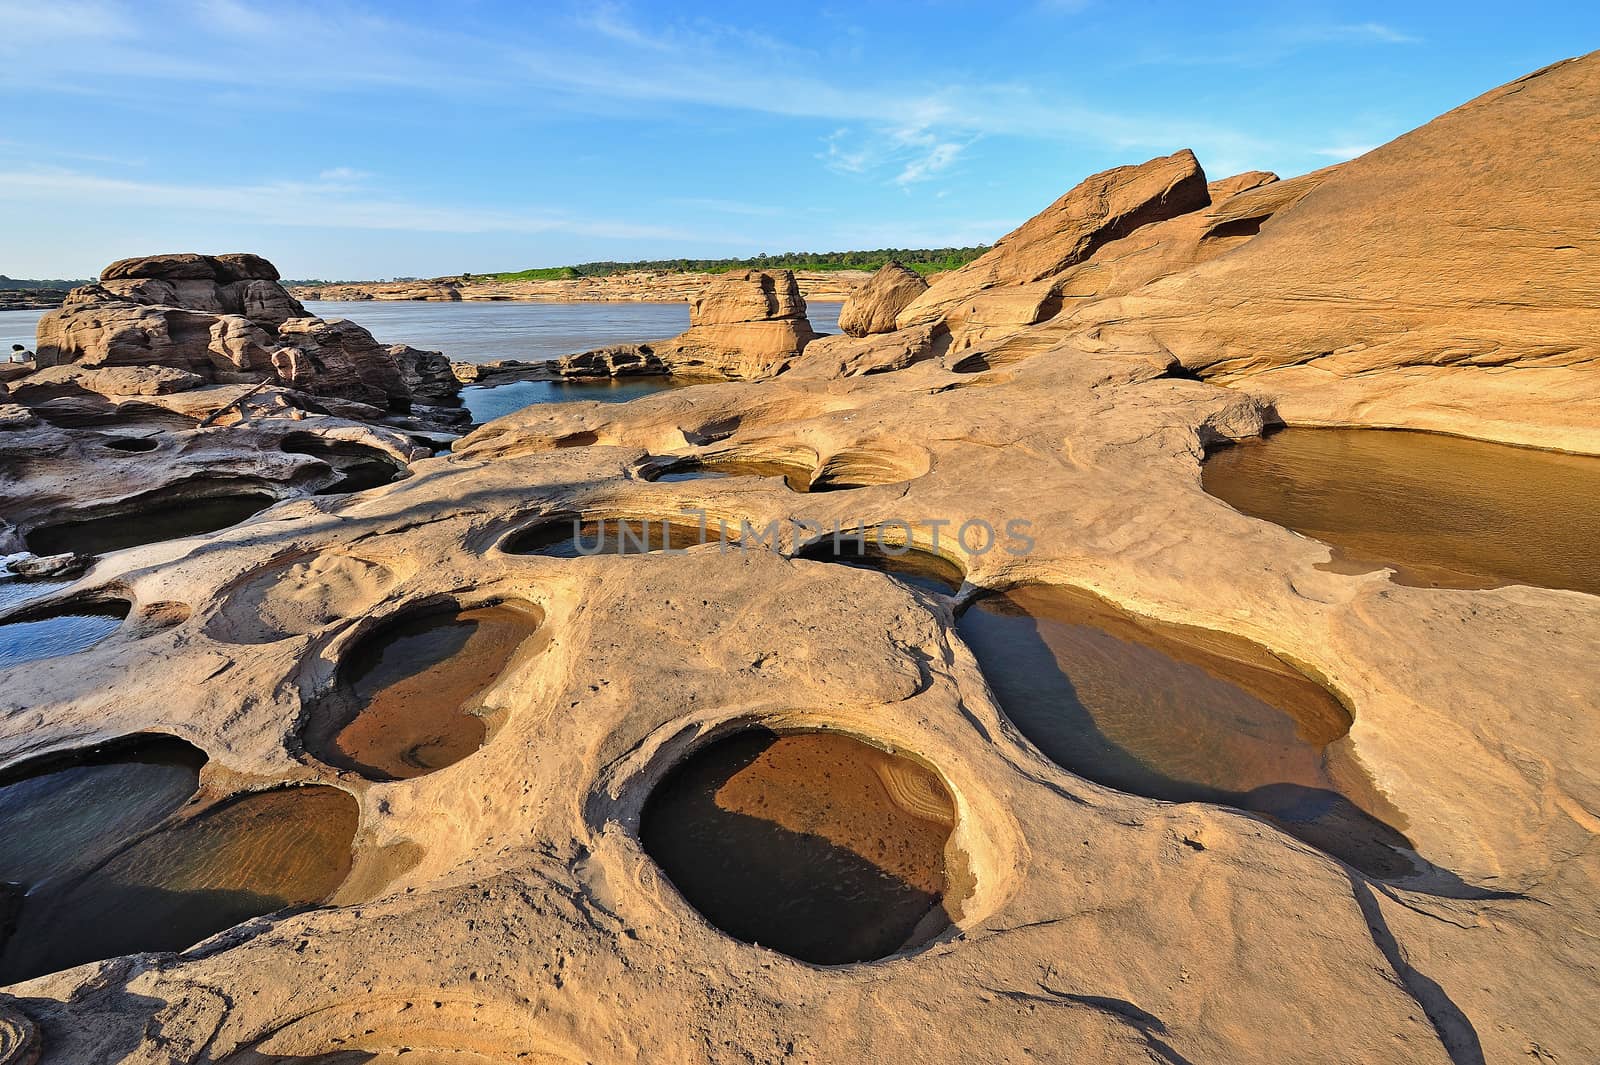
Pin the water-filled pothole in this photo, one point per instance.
(815, 844)
(405, 696)
(358, 466)
(797, 466)
(149, 521)
(573, 537)
(51, 631)
(920, 569)
(795, 475)
(1442, 511)
(1181, 714)
(167, 887)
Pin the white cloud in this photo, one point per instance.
(1340, 153)
(344, 175)
(308, 204)
(937, 158)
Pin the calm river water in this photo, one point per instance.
(482, 332)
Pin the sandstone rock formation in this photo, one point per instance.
(873, 307)
(747, 327)
(225, 317)
(643, 286)
(505, 909)
(1466, 243)
(1014, 282)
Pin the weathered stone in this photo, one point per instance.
(1101, 209)
(619, 360)
(427, 375)
(1467, 243)
(753, 296)
(189, 266)
(338, 358)
(873, 307)
(832, 357)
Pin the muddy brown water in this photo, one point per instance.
(1181, 714)
(814, 844)
(104, 858)
(167, 519)
(920, 569)
(49, 634)
(404, 696)
(1442, 511)
(569, 538)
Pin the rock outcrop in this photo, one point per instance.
(746, 327)
(1014, 283)
(638, 286)
(873, 307)
(225, 318)
(508, 906)
(1469, 242)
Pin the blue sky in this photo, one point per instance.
(350, 140)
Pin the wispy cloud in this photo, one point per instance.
(1340, 153)
(935, 157)
(307, 204)
(344, 175)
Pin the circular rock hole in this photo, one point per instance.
(1181, 714)
(202, 870)
(869, 549)
(797, 477)
(189, 510)
(574, 536)
(405, 697)
(815, 844)
(59, 630)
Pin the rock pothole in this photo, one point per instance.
(815, 844)
(299, 596)
(192, 509)
(357, 467)
(1442, 511)
(1184, 715)
(575, 536)
(105, 851)
(169, 878)
(406, 696)
(62, 629)
(798, 467)
(872, 549)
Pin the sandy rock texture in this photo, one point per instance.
(873, 307)
(641, 286)
(742, 327)
(225, 318)
(502, 909)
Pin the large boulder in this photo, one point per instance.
(189, 266)
(339, 358)
(1469, 242)
(428, 375)
(1101, 209)
(873, 307)
(745, 326)
(753, 296)
(226, 318)
(830, 357)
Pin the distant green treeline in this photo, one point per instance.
(922, 260)
(25, 284)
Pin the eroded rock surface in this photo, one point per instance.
(873, 307)
(220, 316)
(503, 907)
